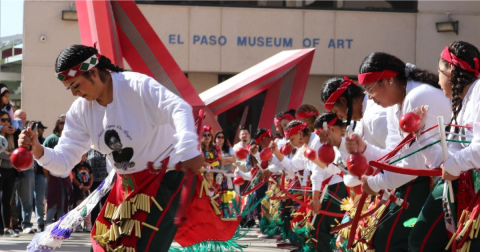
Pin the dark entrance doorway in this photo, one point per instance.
(230, 119)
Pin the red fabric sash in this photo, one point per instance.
(406, 171)
(139, 182)
(202, 223)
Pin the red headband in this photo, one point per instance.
(294, 130)
(279, 119)
(456, 61)
(259, 138)
(306, 114)
(207, 128)
(332, 122)
(79, 69)
(370, 77)
(335, 95)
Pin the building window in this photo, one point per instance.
(379, 5)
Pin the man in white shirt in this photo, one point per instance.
(244, 136)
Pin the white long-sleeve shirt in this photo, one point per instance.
(141, 122)
(372, 127)
(300, 162)
(417, 95)
(276, 166)
(465, 157)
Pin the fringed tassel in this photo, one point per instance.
(216, 246)
(55, 233)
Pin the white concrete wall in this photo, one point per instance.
(43, 96)
(410, 36)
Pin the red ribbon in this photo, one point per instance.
(305, 114)
(302, 203)
(372, 77)
(277, 121)
(294, 130)
(259, 138)
(332, 99)
(332, 122)
(456, 61)
(406, 171)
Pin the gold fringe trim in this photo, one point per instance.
(122, 223)
(470, 229)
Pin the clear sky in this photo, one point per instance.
(11, 17)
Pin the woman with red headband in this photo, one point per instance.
(348, 101)
(153, 122)
(282, 119)
(400, 88)
(458, 70)
(301, 137)
(307, 113)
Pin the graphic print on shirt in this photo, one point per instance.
(83, 175)
(121, 156)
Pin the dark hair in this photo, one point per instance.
(226, 145)
(8, 106)
(11, 138)
(461, 78)
(327, 117)
(380, 61)
(259, 132)
(5, 113)
(291, 112)
(56, 129)
(353, 91)
(109, 134)
(76, 54)
(211, 146)
(294, 123)
(243, 127)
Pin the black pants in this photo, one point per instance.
(7, 184)
(323, 224)
(392, 235)
(430, 232)
(285, 208)
(169, 191)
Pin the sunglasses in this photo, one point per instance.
(220, 137)
(4, 120)
(207, 135)
(61, 123)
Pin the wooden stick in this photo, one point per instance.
(443, 143)
(138, 229)
(451, 240)
(156, 203)
(150, 226)
(472, 229)
(464, 230)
